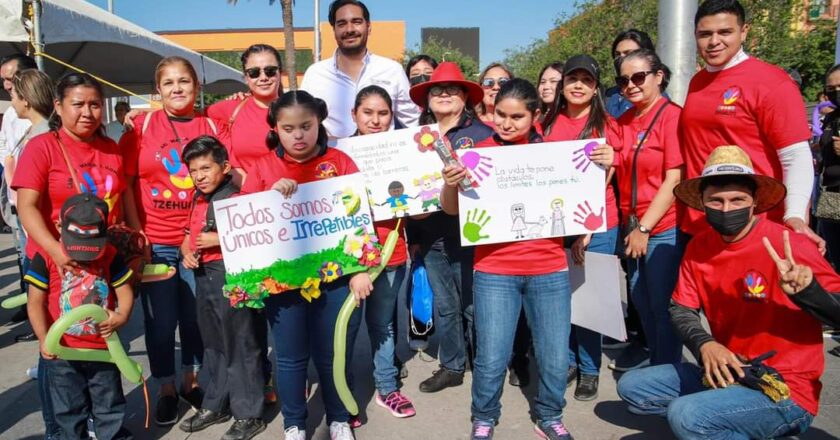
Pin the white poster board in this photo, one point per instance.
(532, 191)
(401, 169)
(596, 295)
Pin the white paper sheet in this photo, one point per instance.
(596, 295)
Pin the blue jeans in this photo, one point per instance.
(79, 390)
(830, 232)
(696, 412)
(51, 429)
(498, 302)
(166, 305)
(585, 344)
(448, 277)
(380, 313)
(302, 330)
(19, 238)
(652, 281)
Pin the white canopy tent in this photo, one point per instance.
(94, 40)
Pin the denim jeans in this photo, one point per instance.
(830, 232)
(498, 301)
(450, 279)
(302, 330)
(652, 281)
(696, 412)
(19, 238)
(585, 344)
(166, 305)
(51, 429)
(380, 313)
(79, 390)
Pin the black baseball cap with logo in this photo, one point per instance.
(84, 227)
(582, 62)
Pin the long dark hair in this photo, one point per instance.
(70, 81)
(558, 66)
(290, 99)
(372, 90)
(522, 90)
(595, 122)
(653, 61)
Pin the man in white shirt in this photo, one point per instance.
(116, 128)
(336, 80)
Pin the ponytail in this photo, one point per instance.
(289, 99)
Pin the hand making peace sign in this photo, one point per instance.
(794, 277)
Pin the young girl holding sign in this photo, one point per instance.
(509, 276)
(372, 114)
(301, 328)
(579, 113)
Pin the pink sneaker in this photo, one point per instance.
(355, 422)
(397, 404)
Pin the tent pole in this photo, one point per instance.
(676, 44)
(36, 31)
(317, 30)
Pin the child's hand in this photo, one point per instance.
(361, 285)
(44, 353)
(207, 240)
(287, 187)
(115, 320)
(61, 260)
(190, 260)
(453, 174)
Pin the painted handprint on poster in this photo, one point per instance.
(530, 191)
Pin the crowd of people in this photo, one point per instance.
(707, 206)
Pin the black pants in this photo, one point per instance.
(232, 349)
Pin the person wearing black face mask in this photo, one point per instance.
(829, 169)
(764, 313)
(419, 69)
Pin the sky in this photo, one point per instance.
(522, 24)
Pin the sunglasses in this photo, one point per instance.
(637, 78)
(450, 89)
(254, 72)
(489, 83)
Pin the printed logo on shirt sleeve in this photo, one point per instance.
(730, 97)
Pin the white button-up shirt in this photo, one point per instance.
(12, 131)
(324, 80)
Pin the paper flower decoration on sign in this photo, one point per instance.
(426, 138)
(311, 289)
(330, 271)
(371, 256)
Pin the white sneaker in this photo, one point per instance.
(341, 431)
(294, 433)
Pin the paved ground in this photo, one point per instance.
(440, 416)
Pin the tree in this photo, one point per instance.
(289, 39)
(443, 51)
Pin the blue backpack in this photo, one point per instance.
(422, 298)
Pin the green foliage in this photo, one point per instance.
(775, 36)
(445, 52)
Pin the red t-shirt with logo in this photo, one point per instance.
(737, 286)
(98, 165)
(754, 105)
(247, 134)
(568, 129)
(660, 153)
(271, 168)
(530, 257)
(163, 189)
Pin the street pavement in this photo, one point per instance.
(444, 415)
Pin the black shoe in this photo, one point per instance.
(403, 371)
(518, 373)
(26, 337)
(441, 379)
(244, 429)
(571, 376)
(166, 413)
(19, 316)
(633, 357)
(587, 387)
(202, 419)
(193, 398)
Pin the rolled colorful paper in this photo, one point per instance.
(340, 339)
(13, 302)
(157, 272)
(115, 353)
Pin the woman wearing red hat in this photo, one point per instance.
(448, 100)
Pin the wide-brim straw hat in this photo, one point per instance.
(446, 72)
(731, 160)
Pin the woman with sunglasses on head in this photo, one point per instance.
(579, 114)
(420, 68)
(648, 152)
(491, 80)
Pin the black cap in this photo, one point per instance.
(582, 62)
(84, 227)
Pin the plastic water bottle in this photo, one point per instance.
(32, 372)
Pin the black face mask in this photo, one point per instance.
(729, 222)
(834, 97)
(419, 79)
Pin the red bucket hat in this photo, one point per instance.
(449, 73)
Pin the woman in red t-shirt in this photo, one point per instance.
(158, 201)
(579, 113)
(303, 329)
(491, 80)
(654, 246)
(247, 116)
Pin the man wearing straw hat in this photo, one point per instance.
(759, 371)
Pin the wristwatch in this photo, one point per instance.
(643, 229)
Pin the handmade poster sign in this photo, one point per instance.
(523, 192)
(272, 244)
(401, 169)
(596, 295)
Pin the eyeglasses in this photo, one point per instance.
(637, 78)
(254, 72)
(489, 83)
(450, 89)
